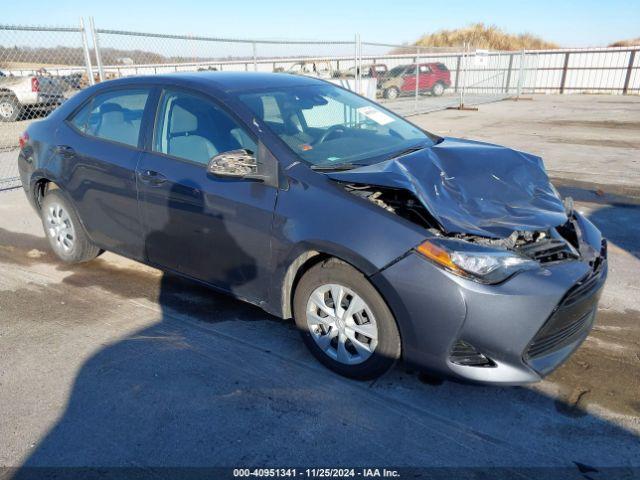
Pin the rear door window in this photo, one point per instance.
(79, 120)
(115, 116)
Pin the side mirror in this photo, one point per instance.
(234, 163)
(262, 167)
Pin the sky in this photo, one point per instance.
(567, 23)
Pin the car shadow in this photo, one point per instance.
(620, 224)
(212, 381)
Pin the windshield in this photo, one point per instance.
(325, 125)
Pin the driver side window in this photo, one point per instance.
(191, 127)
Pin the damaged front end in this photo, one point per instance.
(513, 274)
(486, 259)
(489, 217)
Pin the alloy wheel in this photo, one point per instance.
(342, 324)
(60, 228)
(6, 109)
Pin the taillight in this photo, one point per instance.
(24, 138)
(35, 84)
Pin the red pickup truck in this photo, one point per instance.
(432, 78)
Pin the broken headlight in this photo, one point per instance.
(477, 263)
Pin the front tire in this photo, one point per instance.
(345, 322)
(63, 229)
(438, 89)
(391, 93)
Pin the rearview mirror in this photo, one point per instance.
(234, 163)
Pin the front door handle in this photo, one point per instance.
(152, 177)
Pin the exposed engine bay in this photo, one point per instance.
(552, 245)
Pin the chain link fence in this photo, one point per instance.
(41, 67)
(124, 53)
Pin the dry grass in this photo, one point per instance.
(36, 66)
(632, 42)
(479, 35)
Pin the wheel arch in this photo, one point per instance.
(42, 184)
(307, 257)
(7, 92)
(39, 189)
(296, 269)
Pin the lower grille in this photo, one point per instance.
(548, 343)
(571, 318)
(581, 289)
(464, 353)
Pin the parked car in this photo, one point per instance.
(433, 78)
(32, 91)
(381, 240)
(74, 81)
(375, 70)
(318, 69)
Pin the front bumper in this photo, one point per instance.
(527, 325)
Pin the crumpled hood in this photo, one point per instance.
(471, 187)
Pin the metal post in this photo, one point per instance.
(499, 77)
(355, 61)
(464, 73)
(508, 82)
(358, 62)
(564, 72)
(455, 88)
(360, 65)
(520, 74)
(627, 77)
(87, 56)
(415, 100)
(255, 58)
(96, 48)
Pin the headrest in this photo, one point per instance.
(182, 121)
(110, 107)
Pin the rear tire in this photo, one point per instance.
(63, 229)
(10, 108)
(360, 338)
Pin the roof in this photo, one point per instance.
(229, 81)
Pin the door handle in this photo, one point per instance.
(65, 150)
(152, 177)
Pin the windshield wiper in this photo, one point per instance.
(406, 151)
(336, 167)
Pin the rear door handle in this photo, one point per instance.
(152, 177)
(65, 150)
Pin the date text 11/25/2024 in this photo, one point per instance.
(316, 473)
